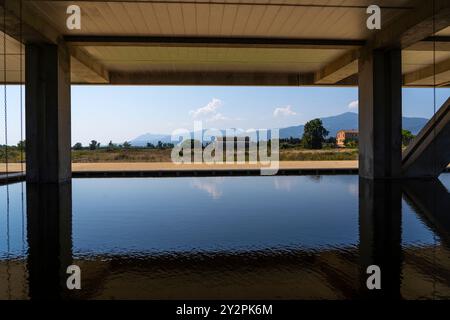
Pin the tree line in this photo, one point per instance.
(315, 136)
(95, 145)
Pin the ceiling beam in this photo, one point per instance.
(429, 46)
(218, 42)
(88, 61)
(419, 23)
(437, 39)
(225, 42)
(211, 78)
(339, 69)
(438, 43)
(32, 29)
(26, 26)
(280, 3)
(407, 30)
(429, 74)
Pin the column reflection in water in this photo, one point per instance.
(49, 229)
(380, 211)
(431, 201)
(380, 223)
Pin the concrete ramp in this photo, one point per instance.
(429, 154)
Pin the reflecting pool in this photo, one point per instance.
(279, 237)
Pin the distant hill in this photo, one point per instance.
(142, 140)
(344, 121)
(349, 120)
(414, 124)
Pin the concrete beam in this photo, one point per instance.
(37, 30)
(256, 4)
(215, 42)
(438, 73)
(427, 74)
(88, 61)
(417, 24)
(380, 114)
(429, 153)
(421, 22)
(212, 78)
(438, 43)
(21, 18)
(339, 69)
(47, 106)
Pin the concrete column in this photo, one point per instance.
(380, 114)
(48, 130)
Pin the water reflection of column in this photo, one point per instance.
(380, 235)
(49, 227)
(431, 200)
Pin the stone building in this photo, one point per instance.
(343, 135)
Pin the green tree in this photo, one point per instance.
(351, 143)
(111, 146)
(21, 145)
(77, 146)
(314, 134)
(94, 145)
(127, 145)
(407, 137)
(331, 140)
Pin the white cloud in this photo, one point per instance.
(212, 187)
(353, 189)
(210, 108)
(210, 112)
(353, 105)
(284, 183)
(284, 111)
(217, 117)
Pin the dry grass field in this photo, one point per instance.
(164, 155)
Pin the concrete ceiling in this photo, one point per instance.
(279, 42)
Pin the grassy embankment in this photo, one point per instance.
(164, 155)
(14, 154)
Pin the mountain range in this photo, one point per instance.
(344, 121)
(347, 121)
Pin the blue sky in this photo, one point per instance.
(121, 113)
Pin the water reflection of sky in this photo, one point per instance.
(13, 241)
(208, 214)
(415, 232)
(214, 214)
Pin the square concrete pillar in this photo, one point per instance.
(380, 114)
(48, 121)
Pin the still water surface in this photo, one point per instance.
(293, 237)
